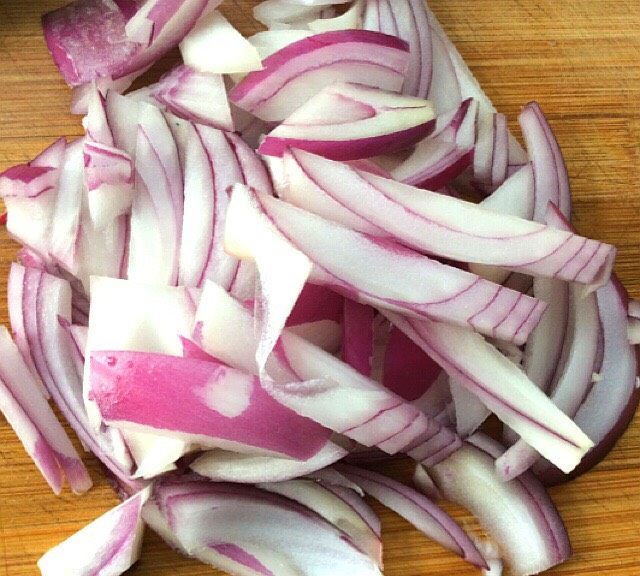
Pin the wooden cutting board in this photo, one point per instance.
(581, 60)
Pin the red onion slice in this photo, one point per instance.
(198, 402)
(406, 19)
(501, 385)
(518, 515)
(245, 530)
(30, 206)
(445, 154)
(369, 122)
(109, 545)
(119, 309)
(279, 14)
(28, 412)
(157, 211)
(403, 280)
(549, 171)
(426, 516)
(295, 73)
(339, 506)
(374, 415)
(441, 225)
(613, 398)
(316, 303)
(201, 47)
(225, 466)
(195, 96)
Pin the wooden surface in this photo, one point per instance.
(581, 60)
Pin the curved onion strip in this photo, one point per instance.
(357, 407)
(519, 515)
(406, 19)
(445, 154)
(263, 532)
(28, 412)
(339, 506)
(224, 466)
(344, 260)
(109, 545)
(436, 224)
(426, 516)
(357, 340)
(195, 96)
(350, 121)
(501, 385)
(298, 71)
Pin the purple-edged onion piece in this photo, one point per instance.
(37, 427)
(437, 224)
(248, 531)
(351, 121)
(225, 466)
(199, 402)
(109, 546)
(195, 96)
(372, 270)
(295, 73)
(426, 516)
(446, 153)
(502, 387)
(518, 515)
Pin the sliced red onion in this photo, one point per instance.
(351, 19)
(374, 415)
(295, 73)
(95, 122)
(403, 279)
(195, 96)
(88, 38)
(449, 227)
(198, 402)
(109, 545)
(357, 340)
(123, 115)
(349, 121)
(501, 385)
(82, 95)
(244, 284)
(613, 398)
(45, 299)
(339, 506)
(201, 47)
(244, 530)
(158, 205)
(426, 516)
(28, 412)
(65, 224)
(446, 59)
(119, 310)
(30, 205)
(408, 371)
(518, 515)
(549, 171)
(406, 19)
(225, 466)
(445, 154)
(633, 331)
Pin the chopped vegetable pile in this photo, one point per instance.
(294, 255)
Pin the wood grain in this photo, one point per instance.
(581, 60)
